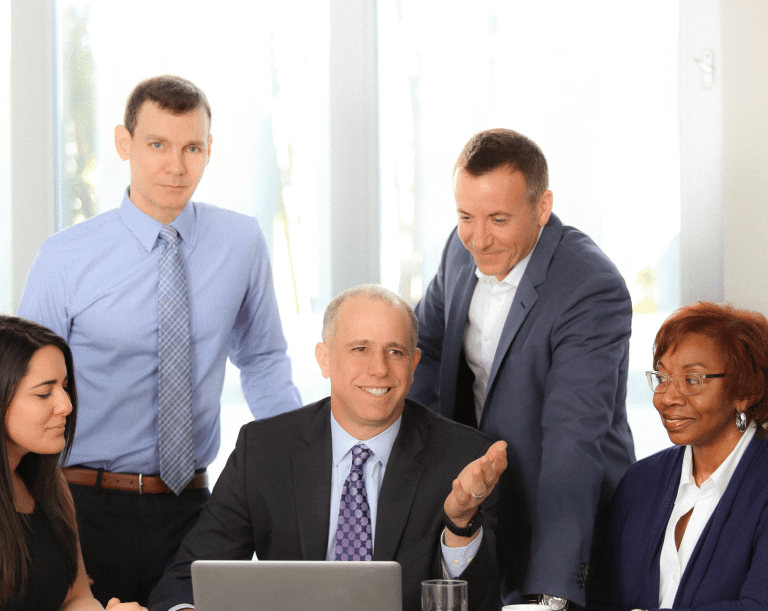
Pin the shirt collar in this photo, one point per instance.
(516, 273)
(146, 229)
(722, 475)
(380, 445)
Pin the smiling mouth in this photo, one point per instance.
(674, 423)
(376, 392)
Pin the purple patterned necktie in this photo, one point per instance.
(353, 533)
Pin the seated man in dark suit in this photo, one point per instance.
(285, 491)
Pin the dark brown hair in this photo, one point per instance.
(493, 148)
(172, 93)
(742, 339)
(20, 339)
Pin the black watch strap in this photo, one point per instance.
(470, 529)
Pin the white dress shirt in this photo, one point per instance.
(703, 500)
(487, 314)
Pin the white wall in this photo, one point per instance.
(745, 152)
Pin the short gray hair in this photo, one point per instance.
(374, 292)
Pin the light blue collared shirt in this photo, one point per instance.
(455, 559)
(95, 284)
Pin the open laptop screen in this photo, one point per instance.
(300, 585)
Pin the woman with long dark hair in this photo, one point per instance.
(40, 564)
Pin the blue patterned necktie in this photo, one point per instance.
(175, 375)
(353, 533)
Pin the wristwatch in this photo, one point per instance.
(470, 529)
(556, 603)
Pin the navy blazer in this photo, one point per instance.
(273, 498)
(556, 395)
(728, 570)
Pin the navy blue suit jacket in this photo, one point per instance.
(556, 395)
(728, 570)
(273, 498)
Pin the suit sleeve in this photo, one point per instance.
(431, 314)
(605, 584)
(257, 344)
(223, 532)
(589, 347)
(482, 573)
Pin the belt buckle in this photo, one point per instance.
(141, 483)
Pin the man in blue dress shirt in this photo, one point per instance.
(96, 285)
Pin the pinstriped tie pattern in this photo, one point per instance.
(353, 533)
(175, 379)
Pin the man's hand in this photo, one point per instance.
(474, 483)
(114, 604)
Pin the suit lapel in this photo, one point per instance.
(453, 343)
(401, 480)
(704, 553)
(527, 294)
(312, 485)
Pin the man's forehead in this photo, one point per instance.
(359, 305)
(152, 109)
(358, 310)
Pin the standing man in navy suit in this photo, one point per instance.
(524, 333)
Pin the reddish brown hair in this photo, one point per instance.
(741, 337)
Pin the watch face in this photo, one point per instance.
(554, 602)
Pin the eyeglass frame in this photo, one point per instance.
(702, 376)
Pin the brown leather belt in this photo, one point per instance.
(128, 482)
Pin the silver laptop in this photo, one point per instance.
(301, 585)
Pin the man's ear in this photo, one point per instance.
(323, 356)
(544, 208)
(123, 142)
(208, 153)
(415, 361)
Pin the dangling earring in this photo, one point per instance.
(741, 421)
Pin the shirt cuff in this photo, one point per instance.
(177, 607)
(456, 559)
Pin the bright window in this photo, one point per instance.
(264, 69)
(594, 83)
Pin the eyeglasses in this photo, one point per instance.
(686, 383)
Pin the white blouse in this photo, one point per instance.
(703, 501)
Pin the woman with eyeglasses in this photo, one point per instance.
(688, 527)
(41, 568)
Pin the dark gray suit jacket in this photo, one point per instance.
(556, 394)
(273, 498)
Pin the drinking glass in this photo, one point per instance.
(444, 595)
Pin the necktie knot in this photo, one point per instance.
(169, 235)
(360, 454)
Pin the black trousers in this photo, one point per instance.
(128, 539)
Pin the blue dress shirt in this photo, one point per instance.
(455, 559)
(95, 284)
